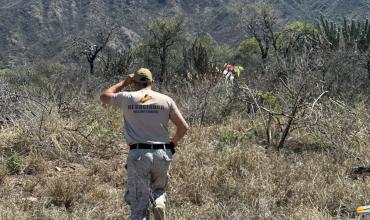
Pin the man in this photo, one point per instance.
(232, 71)
(146, 114)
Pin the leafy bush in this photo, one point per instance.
(230, 137)
(271, 100)
(4, 72)
(15, 164)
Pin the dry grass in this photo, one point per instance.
(36, 164)
(211, 179)
(66, 191)
(248, 182)
(74, 165)
(3, 174)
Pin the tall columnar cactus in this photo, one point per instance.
(350, 32)
(356, 34)
(200, 58)
(330, 32)
(364, 41)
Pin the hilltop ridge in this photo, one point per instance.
(35, 29)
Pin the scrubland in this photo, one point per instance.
(63, 153)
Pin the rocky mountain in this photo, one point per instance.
(311, 9)
(35, 29)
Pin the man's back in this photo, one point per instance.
(146, 114)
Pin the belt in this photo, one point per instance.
(169, 146)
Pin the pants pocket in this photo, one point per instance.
(167, 155)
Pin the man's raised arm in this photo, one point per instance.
(108, 93)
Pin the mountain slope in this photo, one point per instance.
(35, 29)
(310, 9)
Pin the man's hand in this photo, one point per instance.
(129, 80)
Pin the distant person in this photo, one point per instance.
(146, 114)
(229, 71)
(232, 71)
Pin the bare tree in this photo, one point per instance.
(164, 34)
(90, 49)
(287, 105)
(263, 27)
(206, 71)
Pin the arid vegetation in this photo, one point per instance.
(289, 139)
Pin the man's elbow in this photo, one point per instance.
(186, 128)
(104, 98)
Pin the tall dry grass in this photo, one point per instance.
(73, 155)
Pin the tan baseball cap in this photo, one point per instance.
(143, 75)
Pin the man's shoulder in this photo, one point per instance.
(161, 95)
(123, 94)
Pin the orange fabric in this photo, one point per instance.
(230, 68)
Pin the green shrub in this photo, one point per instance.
(14, 164)
(271, 101)
(4, 72)
(233, 137)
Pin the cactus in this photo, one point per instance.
(200, 58)
(350, 33)
(330, 32)
(364, 40)
(356, 35)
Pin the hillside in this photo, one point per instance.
(34, 29)
(311, 9)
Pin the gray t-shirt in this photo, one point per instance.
(146, 114)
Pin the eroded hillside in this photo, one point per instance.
(34, 29)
